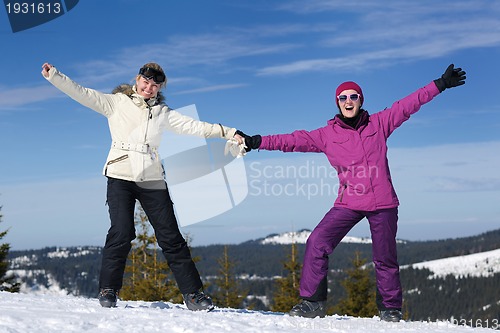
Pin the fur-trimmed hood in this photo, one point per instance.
(129, 90)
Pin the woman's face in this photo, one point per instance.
(349, 103)
(147, 88)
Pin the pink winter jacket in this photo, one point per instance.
(359, 156)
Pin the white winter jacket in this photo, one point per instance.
(135, 128)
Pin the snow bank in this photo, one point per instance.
(21, 313)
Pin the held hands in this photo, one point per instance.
(251, 142)
(452, 77)
(235, 148)
(241, 144)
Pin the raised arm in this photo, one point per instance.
(402, 109)
(93, 99)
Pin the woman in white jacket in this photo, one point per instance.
(137, 116)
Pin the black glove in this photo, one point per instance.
(252, 142)
(452, 77)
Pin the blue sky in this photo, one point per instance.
(263, 67)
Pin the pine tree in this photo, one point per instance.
(228, 293)
(147, 275)
(360, 300)
(286, 294)
(7, 282)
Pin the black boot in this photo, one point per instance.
(309, 309)
(391, 315)
(107, 297)
(198, 301)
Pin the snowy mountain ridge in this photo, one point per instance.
(59, 252)
(300, 237)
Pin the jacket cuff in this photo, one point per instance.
(440, 84)
(227, 132)
(52, 72)
(264, 143)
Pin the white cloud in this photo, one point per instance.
(453, 167)
(398, 32)
(390, 9)
(211, 88)
(180, 51)
(14, 98)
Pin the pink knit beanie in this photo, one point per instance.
(346, 86)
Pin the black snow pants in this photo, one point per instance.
(155, 200)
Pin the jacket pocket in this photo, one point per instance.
(113, 161)
(339, 139)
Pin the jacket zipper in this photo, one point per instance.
(149, 116)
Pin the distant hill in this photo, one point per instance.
(482, 264)
(300, 237)
(274, 248)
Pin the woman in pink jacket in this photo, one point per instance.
(355, 145)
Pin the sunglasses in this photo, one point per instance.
(352, 97)
(151, 73)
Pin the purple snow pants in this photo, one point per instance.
(328, 234)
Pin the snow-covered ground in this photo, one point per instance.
(35, 313)
(477, 264)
